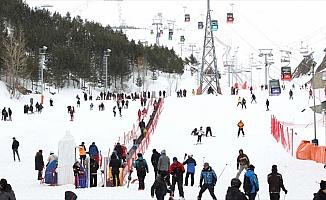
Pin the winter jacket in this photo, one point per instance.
(138, 165)
(118, 149)
(115, 164)
(39, 163)
(7, 193)
(154, 159)
(159, 187)
(240, 124)
(15, 144)
(320, 195)
(275, 182)
(250, 183)
(233, 193)
(93, 167)
(51, 158)
(176, 169)
(163, 163)
(242, 160)
(191, 163)
(93, 150)
(208, 176)
(82, 150)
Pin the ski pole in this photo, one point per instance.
(222, 171)
(284, 196)
(258, 196)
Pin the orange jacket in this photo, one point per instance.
(240, 124)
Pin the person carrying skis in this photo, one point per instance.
(163, 167)
(275, 182)
(321, 194)
(160, 188)
(115, 165)
(14, 146)
(209, 177)
(191, 164)
(233, 192)
(142, 168)
(242, 162)
(240, 126)
(200, 133)
(176, 170)
(154, 160)
(250, 183)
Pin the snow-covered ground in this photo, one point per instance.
(179, 117)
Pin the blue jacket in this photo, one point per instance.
(136, 163)
(92, 150)
(251, 184)
(208, 176)
(191, 163)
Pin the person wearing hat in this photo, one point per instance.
(321, 194)
(275, 182)
(163, 166)
(177, 170)
(191, 164)
(209, 177)
(242, 162)
(142, 168)
(14, 146)
(51, 158)
(233, 192)
(6, 191)
(39, 164)
(154, 160)
(250, 183)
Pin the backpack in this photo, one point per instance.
(141, 167)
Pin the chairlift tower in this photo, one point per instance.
(209, 75)
(266, 53)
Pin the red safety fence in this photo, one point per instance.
(282, 134)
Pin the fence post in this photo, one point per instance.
(292, 141)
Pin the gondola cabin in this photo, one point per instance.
(274, 87)
(200, 25)
(214, 25)
(229, 18)
(187, 17)
(182, 38)
(286, 74)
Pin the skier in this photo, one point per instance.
(93, 172)
(191, 164)
(160, 188)
(142, 168)
(176, 170)
(291, 94)
(163, 166)
(240, 126)
(6, 191)
(253, 98)
(275, 182)
(242, 162)
(243, 103)
(267, 105)
(233, 192)
(72, 111)
(39, 164)
(115, 164)
(15, 145)
(208, 130)
(154, 160)
(250, 183)
(209, 177)
(321, 194)
(82, 153)
(200, 134)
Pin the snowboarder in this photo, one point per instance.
(321, 194)
(6, 191)
(242, 162)
(275, 182)
(233, 192)
(209, 177)
(115, 164)
(142, 168)
(240, 126)
(267, 105)
(163, 166)
(39, 164)
(93, 172)
(177, 170)
(160, 188)
(82, 153)
(154, 160)
(191, 164)
(208, 130)
(250, 183)
(200, 134)
(15, 145)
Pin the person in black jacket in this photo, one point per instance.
(160, 188)
(14, 146)
(115, 164)
(154, 160)
(275, 182)
(233, 192)
(93, 172)
(39, 164)
(118, 149)
(6, 191)
(267, 105)
(321, 194)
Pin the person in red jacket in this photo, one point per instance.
(177, 170)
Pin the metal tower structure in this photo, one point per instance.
(266, 53)
(158, 23)
(209, 75)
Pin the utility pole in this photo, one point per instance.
(42, 52)
(315, 140)
(106, 55)
(266, 53)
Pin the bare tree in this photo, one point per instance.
(14, 58)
